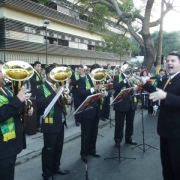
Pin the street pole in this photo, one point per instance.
(160, 39)
(46, 45)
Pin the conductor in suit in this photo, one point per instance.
(52, 127)
(90, 118)
(168, 126)
(124, 109)
(11, 130)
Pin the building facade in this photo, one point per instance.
(22, 36)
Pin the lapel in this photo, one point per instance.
(7, 93)
(37, 74)
(173, 81)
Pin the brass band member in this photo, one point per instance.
(75, 79)
(123, 110)
(89, 119)
(36, 80)
(52, 127)
(11, 130)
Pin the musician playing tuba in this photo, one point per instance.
(90, 118)
(11, 130)
(53, 125)
(124, 109)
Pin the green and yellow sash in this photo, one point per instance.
(7, 127)
(88, 85)
(49, 118)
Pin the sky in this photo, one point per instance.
(171, 20)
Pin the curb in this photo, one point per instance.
(34, 154)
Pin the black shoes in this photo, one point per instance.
(77, 123)
(62, 172)
(103, 119)
(131, 142)
(48, 178)
(95, 154)
(84, 158)
(117, 145)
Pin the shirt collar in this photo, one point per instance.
(172, 76)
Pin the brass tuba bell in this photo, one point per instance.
(61, 75)
(18, 72)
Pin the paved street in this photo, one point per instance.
(146, 166)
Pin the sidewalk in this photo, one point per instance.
(35, 142)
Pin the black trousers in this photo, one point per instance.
(105, 111)
(7, 168)
(51, 152)
(170, 158)
(89, 131)
(119, 125)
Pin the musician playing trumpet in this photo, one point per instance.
(52, 126)
(11, 130)
(124, 110)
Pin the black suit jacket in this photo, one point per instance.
(82, 95)
(169, 114)
(13, 146)
(42, 103)
(34, 83)
(128, 102)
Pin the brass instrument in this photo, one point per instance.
(128, 70)
(61, 75)
(18, 72)
(98, 75)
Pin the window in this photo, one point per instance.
(63, 42)
(91, 47)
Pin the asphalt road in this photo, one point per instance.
(146, 166)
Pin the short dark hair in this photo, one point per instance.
(49, 68)
(161, 70)
(36, 62)
(95, 66)
(175, 53)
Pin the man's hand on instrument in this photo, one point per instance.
(97, 87)
(68, 99)
(159, 94)
(22, 95)
(30, 112)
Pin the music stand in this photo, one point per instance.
(88, 103)
(144, 149)
(118, 99)
(119, 157)
(86, 167)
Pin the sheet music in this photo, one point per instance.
(78, 110)
(49, 107)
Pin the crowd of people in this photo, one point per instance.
(164, 92)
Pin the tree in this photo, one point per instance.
(126, 15)
(171, 41)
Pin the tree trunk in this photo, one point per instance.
(149, 52)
